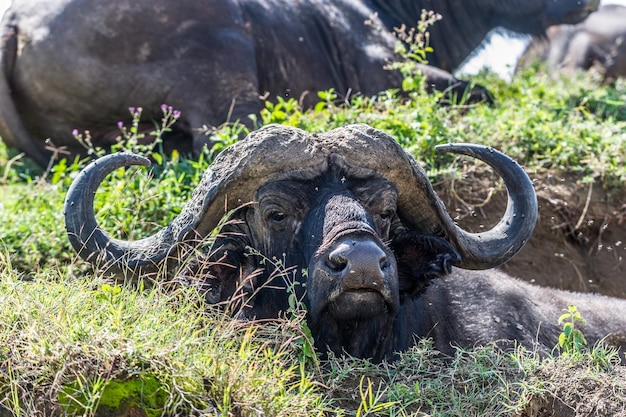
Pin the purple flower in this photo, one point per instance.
(176, 114)
(163, 107)
(120, 124)
(75, 132)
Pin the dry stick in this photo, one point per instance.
(603, 226)
(230, 110)
(584, 213)
(56, 152)
(472, 206)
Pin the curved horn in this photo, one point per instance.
(83, 230)
(499, 244)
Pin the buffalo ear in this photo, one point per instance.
(226, 273)
(421, 258)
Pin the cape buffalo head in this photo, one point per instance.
(349, 216)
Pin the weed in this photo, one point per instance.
(326, 99)
(572, 340)
(412, 48)
(296, 311)
(286, 112)
(372, 403)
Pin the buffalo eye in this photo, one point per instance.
(387, 215)
(277, 216)
(383, 223)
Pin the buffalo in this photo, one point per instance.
(79, 64)
(354, 228)
(598, 42)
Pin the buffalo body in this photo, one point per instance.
(597, 42)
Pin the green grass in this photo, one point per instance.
(72, 342)
(80, 344)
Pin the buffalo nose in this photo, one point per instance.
(361, 260)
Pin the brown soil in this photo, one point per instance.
(578, 392)
(579, 242)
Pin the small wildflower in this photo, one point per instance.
(176, 114)
(75, 132)
(120, 124)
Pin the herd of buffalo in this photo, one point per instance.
(377, 259)
(599, 41)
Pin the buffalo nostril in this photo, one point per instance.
(384, 263)
(337, 260)
(359, 258)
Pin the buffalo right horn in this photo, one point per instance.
(500, 243)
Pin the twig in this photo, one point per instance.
(584, 213)
(8, 166)
(465, 203)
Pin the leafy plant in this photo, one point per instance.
(286, 112)
(412, 47)
(131, 138)
(572, 340)
(326, 99)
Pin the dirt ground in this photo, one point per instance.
(579, 393)
(579, 242)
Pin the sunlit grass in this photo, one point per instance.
(69, 341)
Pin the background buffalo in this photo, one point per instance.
(70, 64)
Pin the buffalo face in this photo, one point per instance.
(343, 243)
(352, 281)
(332, 233)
